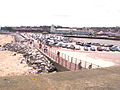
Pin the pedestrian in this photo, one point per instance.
(50, 46)
(90, 66)
(45, 49)
(80, 65)
(58, 53)
(40, 46)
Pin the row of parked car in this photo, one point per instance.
(67, 45)
(100, 47)
(95, 44)
(97, 49)
(86, 46)
(62, 42)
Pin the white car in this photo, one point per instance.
(77, 47)
(86, 48)
(64, 45)
(70, 46)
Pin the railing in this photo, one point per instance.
(67, 61)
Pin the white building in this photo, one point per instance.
(52, 28)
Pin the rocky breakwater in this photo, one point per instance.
(34, 59)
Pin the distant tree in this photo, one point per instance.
(10, 29)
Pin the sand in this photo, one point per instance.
(5, 39)
(9, 64)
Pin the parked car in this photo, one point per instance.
(77, 47)
(113, 48)
(65, 41)
(78, 43)
(108, 45)
(92, 49)
(64, 45)
(82, 44)
(99, 49)
(118, 48)
(70, 46)
(96, 44)
(58, 45)
(51, 43)
(87, 45)
(86, 48)
(101, 44)
(106, 49)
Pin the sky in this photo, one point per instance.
(72, 13)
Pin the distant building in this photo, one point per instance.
(71, 31)
(52, 28)
(62, 30)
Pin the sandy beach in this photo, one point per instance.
(10, 64)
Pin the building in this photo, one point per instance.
(62, 30)
(71, 31)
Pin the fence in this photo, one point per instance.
(67, 61)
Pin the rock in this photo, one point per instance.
(32, 57)
(14, 54)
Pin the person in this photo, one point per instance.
(58, 53)
(40, 46)
(79, 65)
(50, 46)
(45, 49)
(90, 66)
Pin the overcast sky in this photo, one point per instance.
(80, 13)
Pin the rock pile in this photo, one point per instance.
(33, 57)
